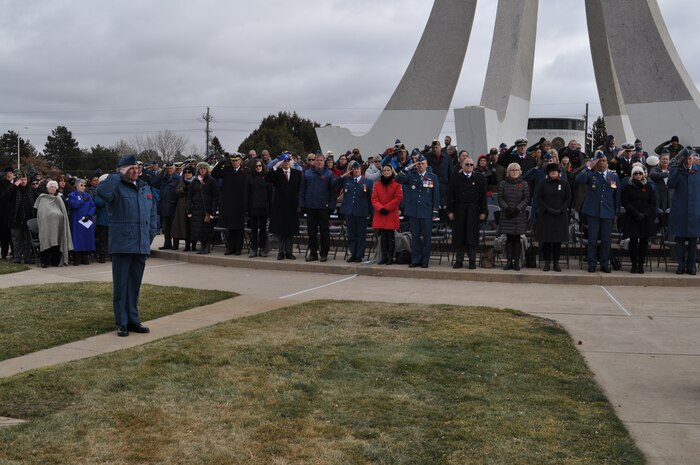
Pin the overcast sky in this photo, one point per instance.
(111, 70)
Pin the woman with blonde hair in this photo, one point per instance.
(513, 198)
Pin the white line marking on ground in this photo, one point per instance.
(615, 300)
(319, 287)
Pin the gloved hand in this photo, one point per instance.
(641, 216)
(383, 211)
(511, 212)
(86, 218)
(550, 211)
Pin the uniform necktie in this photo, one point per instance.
(286, 174)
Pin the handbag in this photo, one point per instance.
(487, 258)
(207, 217)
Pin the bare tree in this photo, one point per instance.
(124, 147)
(166, 144)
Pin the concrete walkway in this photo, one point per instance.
(640, 341)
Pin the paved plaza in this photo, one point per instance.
(640, 339)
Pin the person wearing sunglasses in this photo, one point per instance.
(466, 208)
(639, 201)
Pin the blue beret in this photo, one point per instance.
(285, 156)
(127, 160)
(420, 158)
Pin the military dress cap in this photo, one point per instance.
(628, 146)
(354, 165)
(521, 141)
(421, 158)
(127, 160)
(674, 139)
(415, 151)
(140, 163)
(598, 155)
(653, 160)
(168, 164)
(236, 156)
(503, 146)
(178, 164)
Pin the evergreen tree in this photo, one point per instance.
(216, 149)
(99, 157)
(598, 135)
(8, 149)
(62, 151)
(281, 132)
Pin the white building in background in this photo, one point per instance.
(558, 130)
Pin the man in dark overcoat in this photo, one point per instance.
(284, 220)
(167, 181)
(466, 207)
(233, 201)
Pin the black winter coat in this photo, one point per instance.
(234, 196)
(202, 197)
(639, 202)
(20, 204)
(513, 193)
(284, 218)
(553, 199)
(466, 199)
(259, 196)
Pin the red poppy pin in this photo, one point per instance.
(149, 196)
(644, 189)
(520, 186)
(692, 171)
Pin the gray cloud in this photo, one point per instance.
(111, 70)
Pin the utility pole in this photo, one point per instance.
(207, 119)
(588, 145)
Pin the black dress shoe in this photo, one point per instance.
(350, 259)
(44, 265)
(605, 269)
(280, 256)
(138, 328)
(165, 247)
(413, 265)
(692, 272)
(591, 268)
(457, 265)
(237, 252)
(424, 265)
(472, 264)
(228, 252)
(680, 271)
(358, 260)
(290, 256)
(311, 258)
(122, 331)
(324, 258)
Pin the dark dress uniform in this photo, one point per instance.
(466, 199)
(284, 220)
(421, 198)
(232, 204)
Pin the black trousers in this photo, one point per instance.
(51, 256)
(388, 244)
(551, 251)
(258, 232)
(166, 222)
(102, 241)
(318, 221)
(235, 240)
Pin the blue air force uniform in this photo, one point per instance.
(356, 207)
(421, 198)
(600, 206)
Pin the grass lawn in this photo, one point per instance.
(326, 383)
(7, 267)
(37, 317)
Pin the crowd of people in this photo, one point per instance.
(533, 187)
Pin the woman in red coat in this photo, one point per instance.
(386, 198)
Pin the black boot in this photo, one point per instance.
(509, 256)
(633, 268)
(556, 253)
(204, 250)
(516, 255)
(546, 266)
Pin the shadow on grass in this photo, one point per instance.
(327, 382)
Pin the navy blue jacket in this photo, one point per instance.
(421, 194)
(316, 190)
(684, 218)
(132, 214)
(602, 198)
(357, 197)
(167, 201)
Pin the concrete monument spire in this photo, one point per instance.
(416, 111)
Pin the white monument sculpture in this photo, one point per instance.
(645, 91)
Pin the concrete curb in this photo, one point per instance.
(573, 276)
